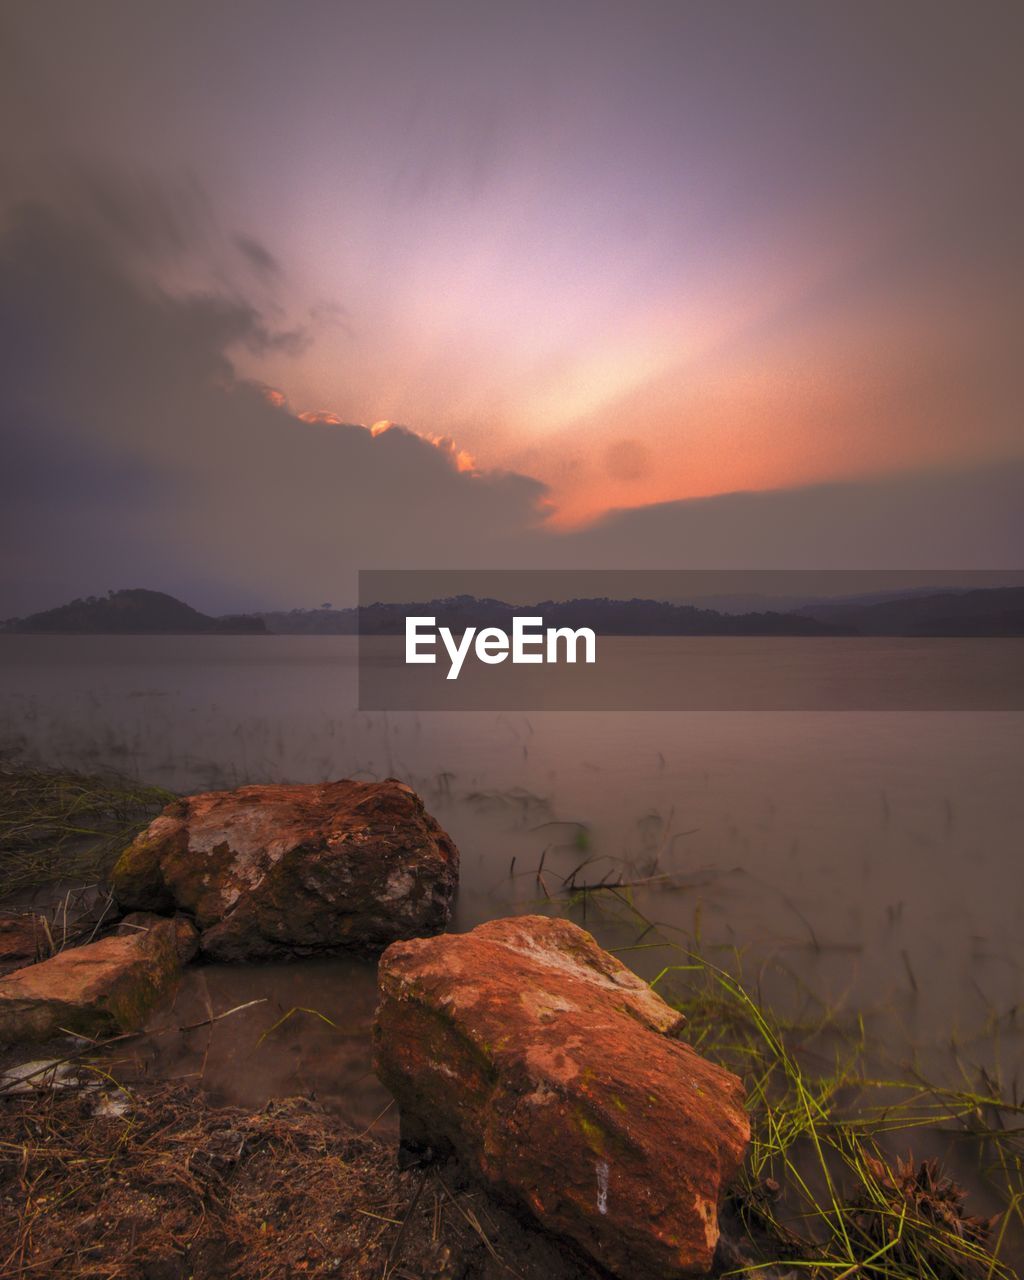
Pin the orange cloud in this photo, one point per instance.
(320, 415)
(460, 457)
(273, 396)
(461, 460)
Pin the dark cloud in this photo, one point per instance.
(258, 256)
(140, 212)
(971, 518)
(133, 452)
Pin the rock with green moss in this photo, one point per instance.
(186, 936)
(295, 869)
(98, 989)
(558, 1076)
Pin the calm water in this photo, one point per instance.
(713, 673)
(875, 856)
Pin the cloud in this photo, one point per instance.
(135, 455)
(627, 460)
(257, 255)
(971, 518)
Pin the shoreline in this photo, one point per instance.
(810, 1076)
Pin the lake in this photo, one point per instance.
(870, 860)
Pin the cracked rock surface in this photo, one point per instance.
(557, 1075)
(281, 870)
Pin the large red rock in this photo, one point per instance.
(555, 1073)
(102, 988)
(277, 870)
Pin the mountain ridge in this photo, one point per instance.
(134, 611)
(989, 612)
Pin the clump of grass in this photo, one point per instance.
(57, 825)
(820, 1183)
(825, 1192)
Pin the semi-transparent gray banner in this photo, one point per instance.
(691, 640)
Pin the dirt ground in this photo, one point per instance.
(157, 1184)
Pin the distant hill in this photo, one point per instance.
(134, 612)
(995, 611)
(752, 602)
(606, 617)
(992, 612)
(312, 622)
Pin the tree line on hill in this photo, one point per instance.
(989, 612)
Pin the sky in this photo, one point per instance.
(292, 289)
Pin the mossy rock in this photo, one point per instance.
(100, 989)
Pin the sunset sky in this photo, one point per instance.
(590, 256)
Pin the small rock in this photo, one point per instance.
(555, 1073)
(111, 1105)
(43, 1073)
(94, 990)
(23, 939)
(186, 936)
(295, 870)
